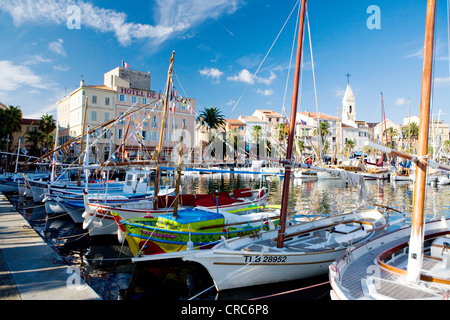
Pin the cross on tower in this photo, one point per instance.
(348, 75)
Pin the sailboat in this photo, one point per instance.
(411, 262)
(291, 252)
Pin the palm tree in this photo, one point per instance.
(324, 131)
(349, 145)
(280, 132)
(10, 123)
(413, 128)
(47, 125)
(256, 133)
(35, 137)
(390, 134)
(212, 118)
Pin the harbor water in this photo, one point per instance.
(106, 265)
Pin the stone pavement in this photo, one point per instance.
(30, 269)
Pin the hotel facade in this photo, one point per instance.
(137, 135)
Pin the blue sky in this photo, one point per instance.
(219, 46)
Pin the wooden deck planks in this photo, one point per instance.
(351, 279)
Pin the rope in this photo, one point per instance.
(262, 62)
(291, 291)
(231, 274)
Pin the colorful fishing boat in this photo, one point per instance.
(192, 228)
(99, 220)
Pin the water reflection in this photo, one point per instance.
(108, 269)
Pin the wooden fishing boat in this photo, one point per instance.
(193, 228)
(291, 252)
(99, 214)
(412, 262)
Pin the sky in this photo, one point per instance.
(230, 54)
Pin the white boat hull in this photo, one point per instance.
(250, 261)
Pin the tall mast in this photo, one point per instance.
(159, 150)
(287, 172)
(417, 221)
(82, 139)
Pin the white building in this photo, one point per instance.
(358, 131)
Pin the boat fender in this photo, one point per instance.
(120, 235)
(87, 222)
(271, 225)
(86, 213)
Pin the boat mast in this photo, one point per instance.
(178, 175)
(161, 133)
(81, 143)
(287, 172)
(417, 221)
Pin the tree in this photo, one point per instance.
(280, 132)
(349, 145)
(35, 137)
(47, 125)
(324, 132)
(256, 133)
(212, 118)
(390, 134)
(413, 128)
(10, 122)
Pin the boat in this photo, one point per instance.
(192, 228)
(305, 174)
(402, 172)
(413, 262)
(135, 188)
(96, 214)
(293, 251)
(371, 171)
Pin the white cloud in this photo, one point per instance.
(339, 92)
(14, 76)
(442, 82)
(211, 73)
(35, 59)
(172, 17)
(57, 47)
(267, 92)
(400, 102)
(61, 68)
(248, 77)
(243, 76)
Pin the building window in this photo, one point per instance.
(154, 123)
(144, 100)
(134, 99)
(122, 98)
(94, 99)
(144, 135)
(119, 134)
(154, 136)
(106, 116)
(107, 101)
(94, 115)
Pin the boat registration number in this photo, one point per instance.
(265, 259)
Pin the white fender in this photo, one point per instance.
(87, 222)
(120, 235)
(87, 212)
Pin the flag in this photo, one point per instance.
(125, 65)
(114, 158)
(136, 122)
